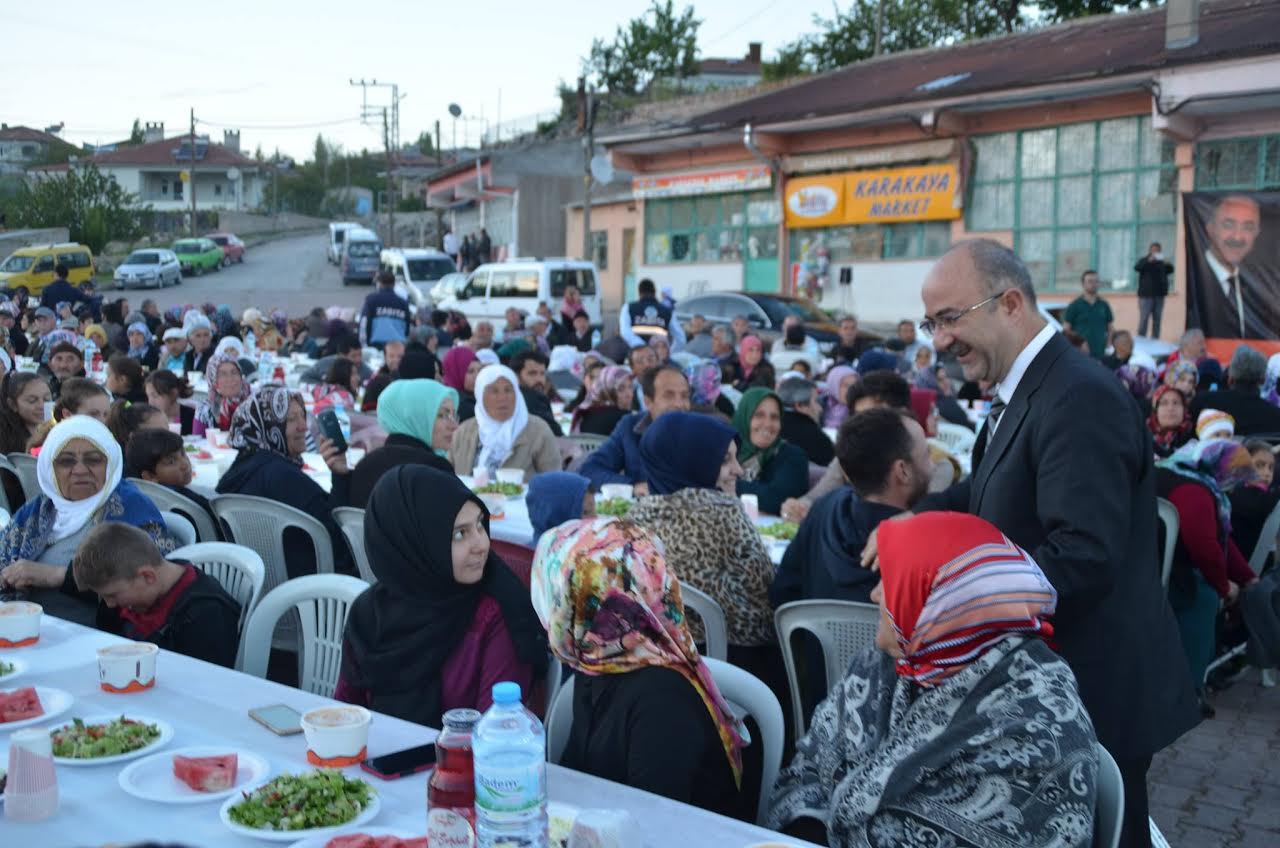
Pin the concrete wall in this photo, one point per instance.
(613, 218)
(11, 240)
(540, 202)
(248, 223)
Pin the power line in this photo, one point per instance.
(726, 33)
(306, 126)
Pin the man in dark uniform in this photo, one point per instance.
(646, 316)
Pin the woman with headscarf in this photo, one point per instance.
(704, 378)
(142, 345)
(199, 332)
(570, 305)
(557, 497)
(80, 471)
(447, 619)
(269, 431)
(646, 711)
(227, 390)
(340, 387)
(835, 391)
(98, 336)
(1208, 568)
(772, 469)
(419, 417)
(1170, 420)
(752, 367)
(609, 400)
(503, 434)
(964, 729)
(691, 461)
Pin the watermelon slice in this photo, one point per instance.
(20, 704)
(206, 774)
(363, 840)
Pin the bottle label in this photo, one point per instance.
(448, 829)
(511, 789)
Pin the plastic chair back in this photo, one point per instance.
(746, 691)
(587, 442)
(167, 500)
(1167, 513)
(1266, 541)
(239, 570)
(1108, 817)
(559, 720)
(713, 622)
(843, 629)
(6, 465)
(24, 465)
(182, 530)
(958, 439)
(350, 520)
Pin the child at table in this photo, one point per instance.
(151, 599)
(160, 456)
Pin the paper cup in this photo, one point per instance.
(511, 475)
(130, 667)
(216, 438)
(496, 504)
(751, 504)
(617, 490)
(19, 624)
(337, 736)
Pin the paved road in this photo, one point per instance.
(291, 274)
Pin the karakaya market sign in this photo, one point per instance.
(923, 193)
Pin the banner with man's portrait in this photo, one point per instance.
(1233, 263)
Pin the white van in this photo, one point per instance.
(337, 232)
(495, 287)
(416, 271)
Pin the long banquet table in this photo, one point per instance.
(208, 705)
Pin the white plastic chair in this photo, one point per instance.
(24, 465)
(6, 465)
(351, 521)
(958, 439)
(1108, 816)
(843, 628)
(742, 690)
(1266, 541)
(321, 602)
(168, 500)
(587, 441)
(1170, 525)
(238, 569)
(713, 621)
(182, 530)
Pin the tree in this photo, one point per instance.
(425, 144)
(661, 44)
(136, 135)
(91, 205)
(1065, 10)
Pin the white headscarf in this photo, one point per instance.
(193, 321)
(73, 515)
(497, 437)
(488, 356)
(230, 345)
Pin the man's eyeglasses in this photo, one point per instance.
(947, 320)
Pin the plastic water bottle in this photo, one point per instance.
(509, 748)
(250, 343)
(90, 350)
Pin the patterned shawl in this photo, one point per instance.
(216, 411)
(31, 531)
(602, 589)
(1218, 464)
(704, 378)
(259, 422)
(603, 393)
(1000, 755)
(1136, 379)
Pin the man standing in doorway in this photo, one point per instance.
(451, 245)
(1089, 316)
(645, 317)
(1153, 286)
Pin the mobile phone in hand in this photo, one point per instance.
(332, 429)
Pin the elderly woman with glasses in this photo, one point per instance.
(80, 471)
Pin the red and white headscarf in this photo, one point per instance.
(953, 586)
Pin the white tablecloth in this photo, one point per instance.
(208, 471)
(208, 705)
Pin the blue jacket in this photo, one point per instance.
(618, 460)
(61, 291)
(384, 318)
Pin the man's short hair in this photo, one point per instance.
(518, 361)
(386, 278)
(147, 447)
(853, 318)
(868, 445)
(720, 331)
(649, 379)
(346, 344)
(1248, 368)
(1156, 244)
(646, 288)
(1118, 333)
(112, 551)
(906, 322)
(889, 387)
(1194, 333)
(795, 392)
(699, 316)
(61, 270)
(1087, 272)
(998, 267)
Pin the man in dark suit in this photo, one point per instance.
(1242, 399)
(1230, 301)
(1075, 490)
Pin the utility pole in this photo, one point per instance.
(191, 173)
(390, 135)
(588, 150)
(879, 26)
(391, 199)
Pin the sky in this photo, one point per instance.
(280, 70)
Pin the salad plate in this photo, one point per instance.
(256, 812)
(108, 733)
(11, 669)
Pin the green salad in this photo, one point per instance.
(616, 507)
(80, 741)
(785, 530)
(511, 490)
(6, 668)
(302, 801)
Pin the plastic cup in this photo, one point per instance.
(31, 793)
(480, 476)
(19, 624)
(337, 736)
(496, 504)
(751, 504)
(610, 491)
(130, 667)
(511, 475)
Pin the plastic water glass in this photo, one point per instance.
(751, 503)
(32, 791)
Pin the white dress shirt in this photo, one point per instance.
(1021, 363)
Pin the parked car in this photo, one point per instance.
(150, 268)
(361, 250)
(448, 286)
(198, 255)
(232, 247)
(414, 270)
(765, 312)
(337, 233)
(32, 266)
(495, 287)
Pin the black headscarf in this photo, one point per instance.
(418, 363)
(684, 450)
(400, 633)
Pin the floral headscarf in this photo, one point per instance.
(1136, 379)
(1180, 369)
(604, 391)
(1219, 464)
(55, 338)
(259, 423)
(1166, 438)
(704, 378)
(602, 589)
(217, 411)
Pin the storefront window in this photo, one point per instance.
(1076, 197)
(1240, 163)
(872, 242)
(712, 228)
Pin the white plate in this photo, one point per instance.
(54, 701)
(366, 815)
(322, 840)
(19, 666)
(152, 779)
(166, 733)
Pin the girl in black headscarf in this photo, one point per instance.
(447, 619)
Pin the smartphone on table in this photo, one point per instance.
(279, 719)
(401, 763)
(332, 429)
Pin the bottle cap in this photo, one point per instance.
(506, 692)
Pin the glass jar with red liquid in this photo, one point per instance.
(451, 791)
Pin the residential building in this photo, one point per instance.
(727, 73)
(23, 147)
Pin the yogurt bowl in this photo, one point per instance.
(337, 736)
(19, 624)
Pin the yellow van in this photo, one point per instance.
(33, 266)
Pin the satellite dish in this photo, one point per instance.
(455, 110)
(233, 174)
(601, 168)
